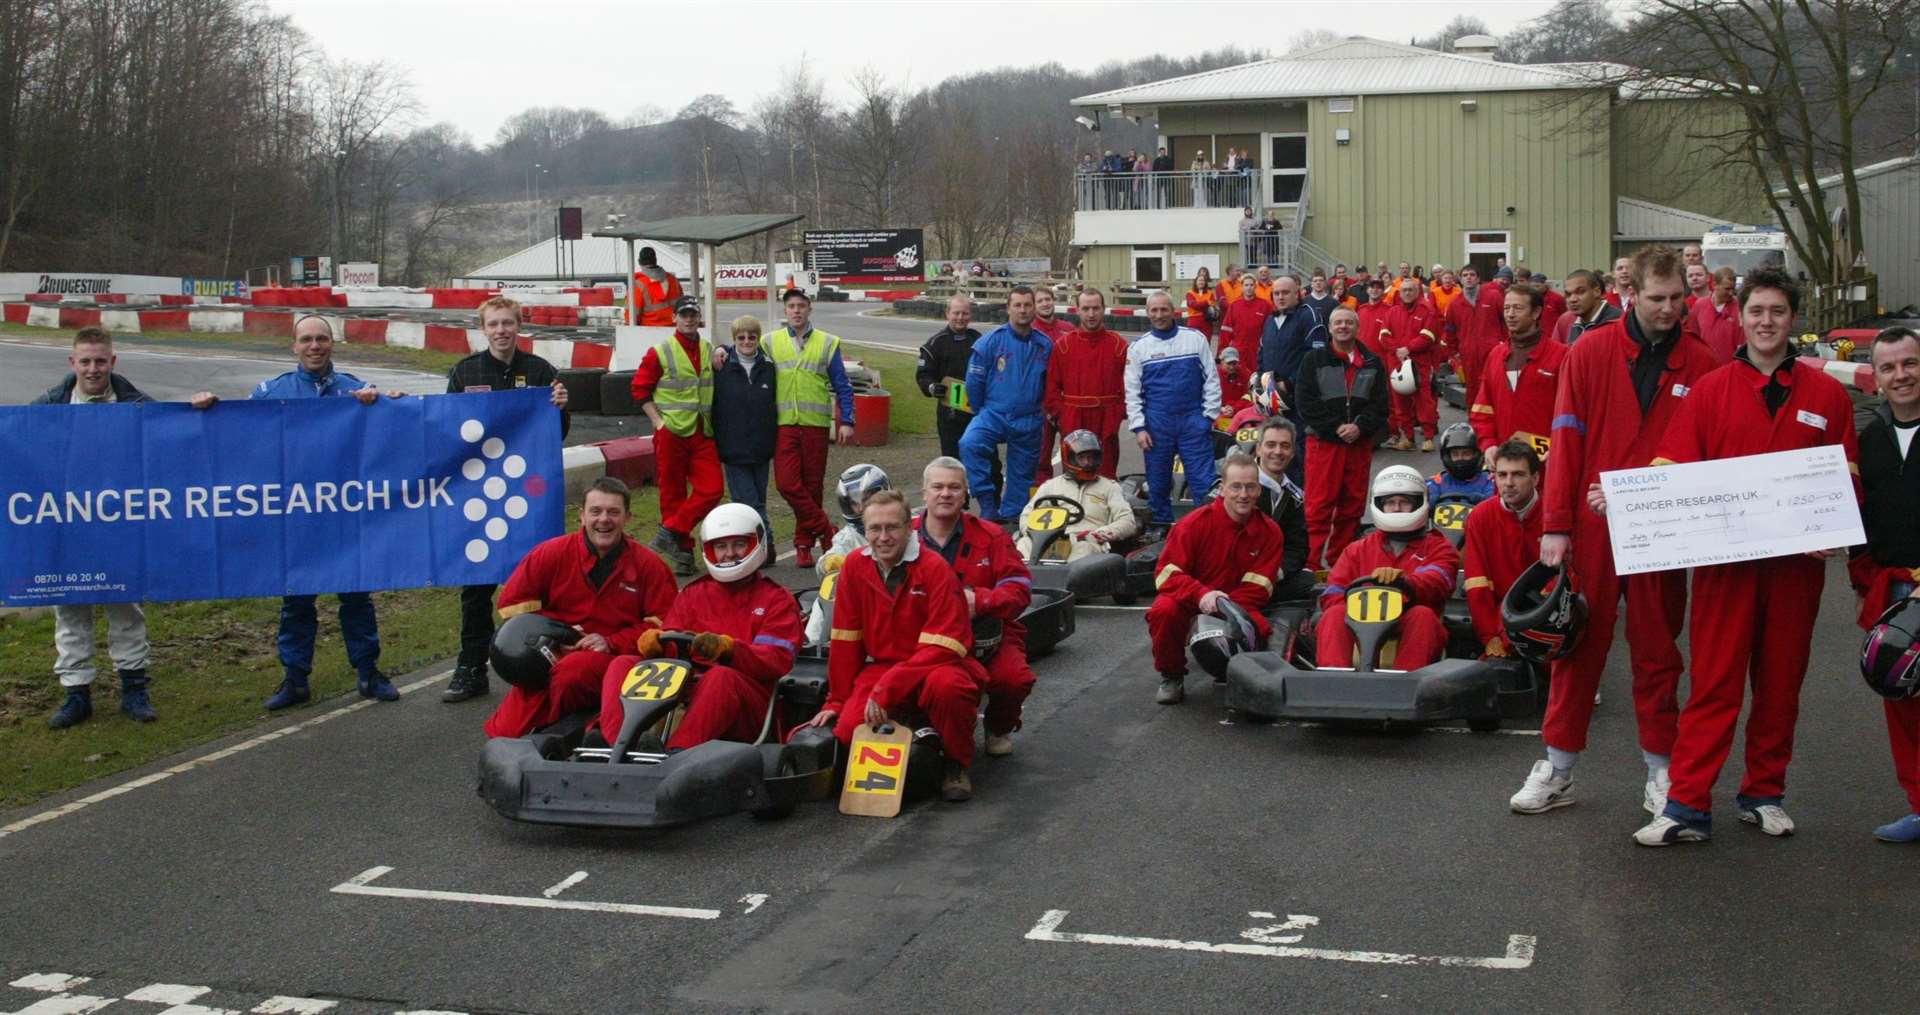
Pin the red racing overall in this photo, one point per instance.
(1413, 333)
(1500, 546)
(1207, 551)
(1501, 409)
(1427, 564)
(985, 560)
(1086, 390)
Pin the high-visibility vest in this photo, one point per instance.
(657, 292)
(684, 394)
(802, 390)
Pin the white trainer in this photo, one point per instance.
(1543, 791)
(1665, 831)
(1771, 818)
(1658, 784)
(1596, 698)
(999, 745)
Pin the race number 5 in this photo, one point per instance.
(1375, 605)
(654, 680)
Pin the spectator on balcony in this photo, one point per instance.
(1163, 179)
(1142, 183)
(1085, 174)
(1199, 171)
(1203, 304)
(1249, 225)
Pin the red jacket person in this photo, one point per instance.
(603, 584)
(746, 629)
(674, 385)
(1503, 540)
(1086, 382)
(1519, 381)
(1226, 550)
(1752, 621)
(901, 641)
(1402, 551)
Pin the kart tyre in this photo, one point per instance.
(778, 805)
(1484, 725)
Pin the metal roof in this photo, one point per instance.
(1354, 66)
(1835, 179)
(594, 257)
(704, 228)
(1643, 220)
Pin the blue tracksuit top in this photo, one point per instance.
(298, 383)
(1442, 484)
(1170, 374)
(1007, 374)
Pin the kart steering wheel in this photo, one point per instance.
(1075, 513)
(681, 643)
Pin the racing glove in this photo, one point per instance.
(832, 562)
(711, 648)
(647, 646)
(1497, 648)
(1386, 575)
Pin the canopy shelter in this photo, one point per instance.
(701, 234)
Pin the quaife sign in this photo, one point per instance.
(156, 501)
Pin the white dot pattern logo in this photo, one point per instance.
(491, 467)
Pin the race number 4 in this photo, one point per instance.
(876, 771)
(1046, 519)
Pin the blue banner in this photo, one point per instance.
(158, 501)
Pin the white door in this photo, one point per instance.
(1284, 169)
(1487, 249)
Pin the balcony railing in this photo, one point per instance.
(1194, 188)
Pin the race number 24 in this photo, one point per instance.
(877, 768)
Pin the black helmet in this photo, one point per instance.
(1216, 640)
(857, 484)
(1080, 456)
(1460, 452)
(525, 649)
(987, 632)
(1890, 658)
(1543, 622)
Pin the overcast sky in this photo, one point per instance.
(476, 62)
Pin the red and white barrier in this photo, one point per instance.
(627, 459)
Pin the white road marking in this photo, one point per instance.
(1520, 948)
(361, 884)
(292, 1006)
(206, 759)
(753, 902)
(51, 983)
(1272, 935)
(168, 993)
(65, 1004)
(572, 879)
(194, 1009)
(178, 996)
(1422, 729)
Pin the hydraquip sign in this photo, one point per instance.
(158, 501)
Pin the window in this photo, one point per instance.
(1150, 263)
(1287, 172)
(1344, 104)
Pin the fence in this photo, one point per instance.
(1199, 188)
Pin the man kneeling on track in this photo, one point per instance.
(1109, 518)
(901, 642)
(1401, 551)
(1503, 540)
(599, 581)
(994, 581)
(1226, 550)
(746, 629)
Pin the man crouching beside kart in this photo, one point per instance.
(1225, 551)
(746, 629)
(1503, 540)
(602, 584)
(1401, 551)
(1109, 518)
(995, 582)
(901, 642)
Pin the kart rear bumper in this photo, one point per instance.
(1265, 684)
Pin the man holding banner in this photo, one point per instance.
(315, 377)
(1751, 620)
(501, 366)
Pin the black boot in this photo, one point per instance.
(133, 696)
(467, 682)
(73, 711)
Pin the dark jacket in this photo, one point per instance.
(1287, 511)
(944, 357)
(745, 414)
(1283, 344)
(61, 393)
(482, 372)
(1326, 401)
(1891, 489)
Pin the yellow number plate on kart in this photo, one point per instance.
(654, 680)
(1450, 516)
(876, 771)
(827, 586)
(1540, 445)
(1375, 605)
(1047, 519)
(1247, 435)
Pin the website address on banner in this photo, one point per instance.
(54, 587)
(245, 500)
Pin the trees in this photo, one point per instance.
(877, 150)
(1573, 30)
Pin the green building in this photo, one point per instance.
(1366, 151)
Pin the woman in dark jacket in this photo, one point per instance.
(745, 419)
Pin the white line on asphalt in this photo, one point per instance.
(292, 1006)
(1520, 948)
(753, 902)
(361, 884)
(572, 879)
(1423, 729)
(192, 763)
(168, 993)
(66, 1004)
(51, 983)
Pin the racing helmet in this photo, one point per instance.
(1543, 615)
(857, 484)
(1216, 640)
(1399, 480)
(526, 647)
(1270, 402)
(1246, 428)
(1890, 657)
(1460, 452)
(1080, 456)
(726, 521)
(1405, 381)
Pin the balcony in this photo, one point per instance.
(1201, 188)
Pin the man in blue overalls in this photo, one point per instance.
(1173, 397)
(1006, 379)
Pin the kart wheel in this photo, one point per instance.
(774, 809)
(1125, 599)
(1484, 725)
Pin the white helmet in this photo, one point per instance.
(726, 521)
(1405, 381)
(1399, 480)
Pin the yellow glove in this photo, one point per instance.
(1386, 575)
(832, 562)
(1497, 648)
(648, 645)
(711, 648)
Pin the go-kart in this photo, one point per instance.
(563, 775)
(1123, 573)
(1286, 682)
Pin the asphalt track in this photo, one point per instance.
(1126, 857)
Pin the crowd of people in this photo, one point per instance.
(1613, 370)
(1142, 180)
